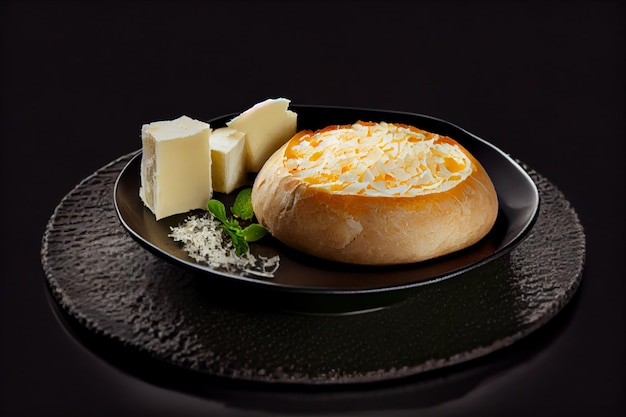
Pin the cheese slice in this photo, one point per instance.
(228, 159)
(175, 166)
(267, 125)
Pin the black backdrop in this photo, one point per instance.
(542, 80)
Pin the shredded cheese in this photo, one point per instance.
(205, 242)
(378, 159)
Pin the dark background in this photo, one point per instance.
(542, 80)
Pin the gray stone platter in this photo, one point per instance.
(105, 281)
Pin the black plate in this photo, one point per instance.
(341, 287)
(125, 296)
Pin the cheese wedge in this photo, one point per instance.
(175, 166)
(267, 125)
(228, 159)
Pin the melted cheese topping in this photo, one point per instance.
(377, 159)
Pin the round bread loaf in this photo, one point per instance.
(374, 194)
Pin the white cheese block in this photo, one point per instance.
(175, 166)
(267, 126)
(228, 159)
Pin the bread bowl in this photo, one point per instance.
(374, 193)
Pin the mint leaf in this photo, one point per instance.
(239, 242)
(243, 205)
(241, 246)
(232, 224)
(217, 209)
(242, 209)
(254, 232)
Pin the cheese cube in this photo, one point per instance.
(175, 166)
(267, 126)
(228, 159)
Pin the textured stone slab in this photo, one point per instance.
(101, 277)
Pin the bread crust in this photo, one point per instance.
(373, 230)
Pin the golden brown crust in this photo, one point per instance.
(373, 230)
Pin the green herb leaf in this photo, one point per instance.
(217, 209)
(241, 246)
(254, 232)
(243, 210)
(232, 224)
(243, 205)
(239, 242)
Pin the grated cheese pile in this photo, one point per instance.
(204, 240)
(377, 159)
